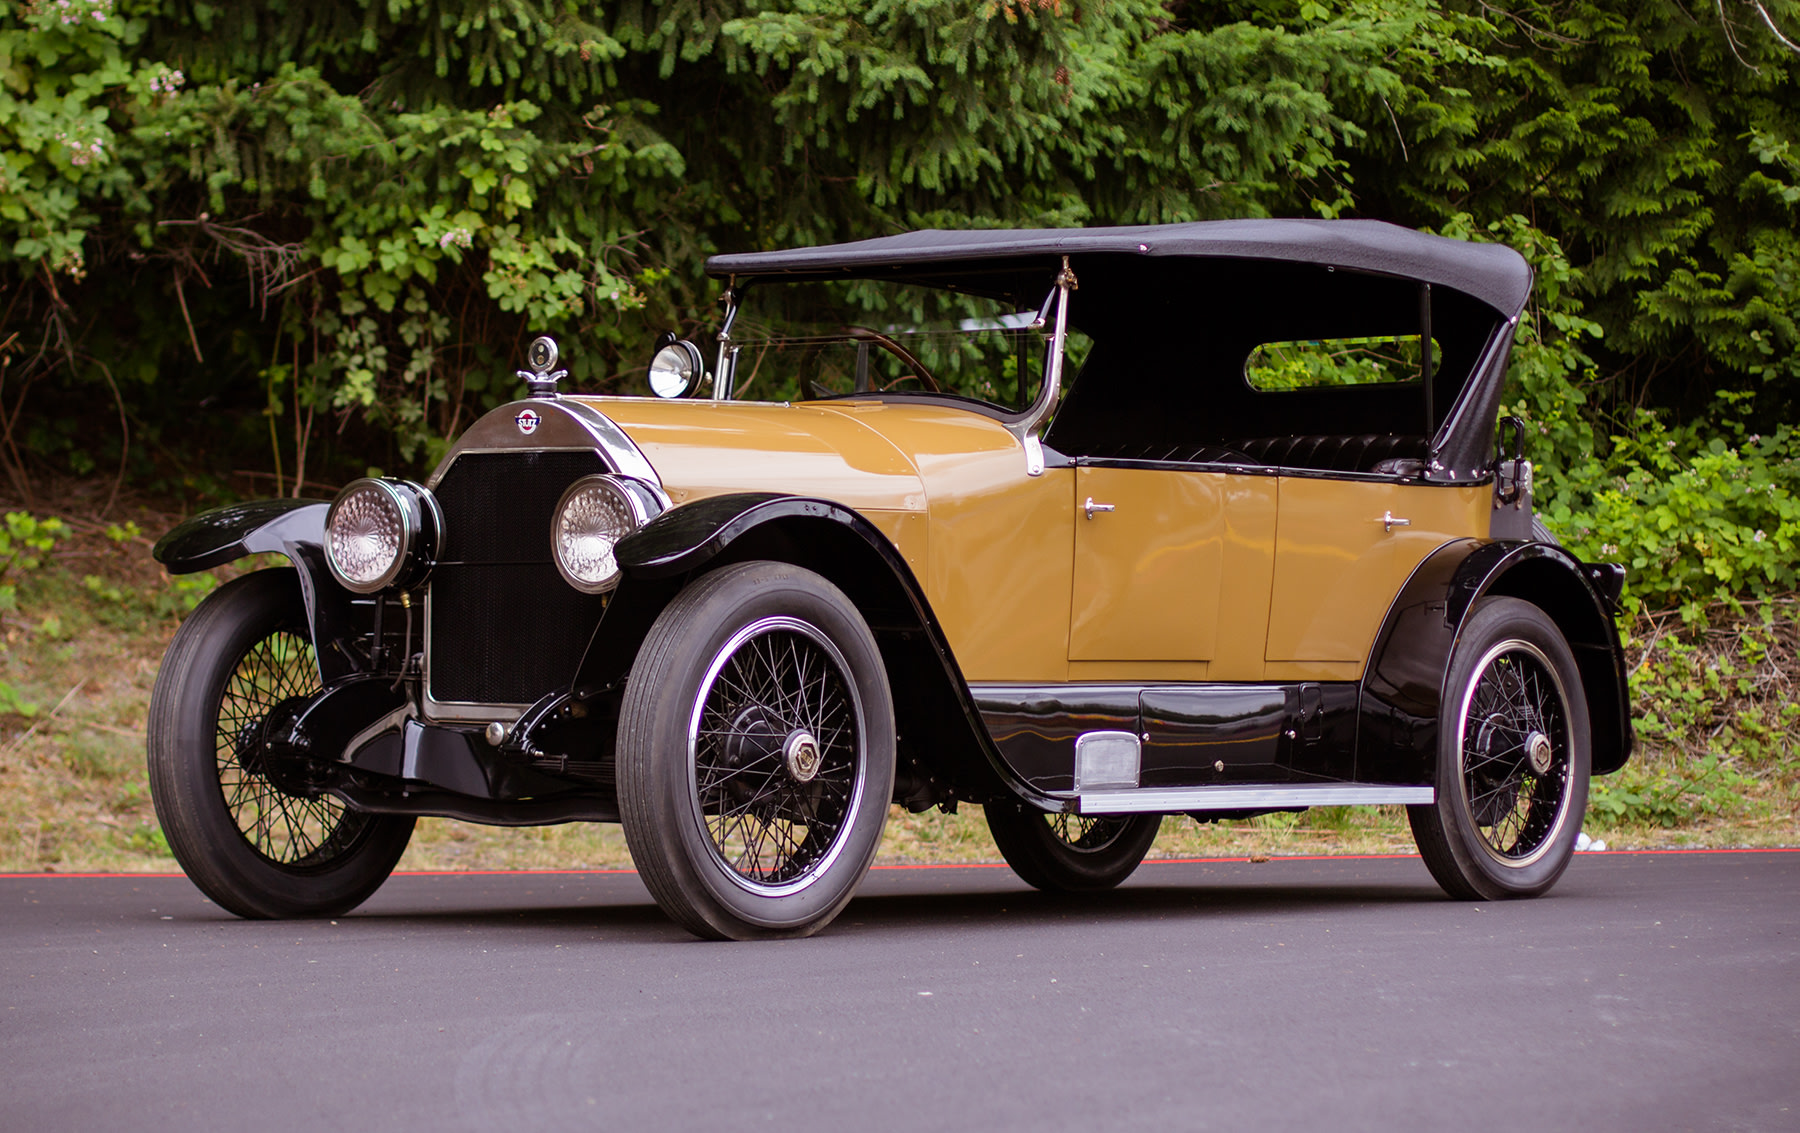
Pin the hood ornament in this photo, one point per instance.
(541, 356)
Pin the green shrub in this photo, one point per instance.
(1708, 788)
(24, 540)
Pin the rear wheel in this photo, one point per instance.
(1070, 853)
(256, 844)
(756, 753)
(1513, 758)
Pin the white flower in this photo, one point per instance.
(70, 12)
(1759, 536)
(80, 152)
(461, 237)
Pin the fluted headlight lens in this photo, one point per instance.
(595, 513)
(375, 533)
(676, 370)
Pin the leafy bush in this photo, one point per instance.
(1708, 788)
(24, 539)
(405, 191)
(1699, 514)
(1716, 715)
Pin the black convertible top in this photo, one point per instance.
(1492, 273)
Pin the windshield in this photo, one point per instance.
(857, 338)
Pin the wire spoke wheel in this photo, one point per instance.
(1070, 853)
(1515, 752)
(287, 829)
(756, 753)
(1086, 832)
(776, 753)
(256, 833)
(1513, 758)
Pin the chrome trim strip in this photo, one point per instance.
(725, 372)
(1034, 455)
(1167, 800)
(618, 448)
(563, 424)
(1024, 427)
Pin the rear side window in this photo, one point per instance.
(1318, 363)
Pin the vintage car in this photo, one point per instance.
(1272, 550)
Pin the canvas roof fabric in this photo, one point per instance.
(1492, 273)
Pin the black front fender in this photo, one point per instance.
(941, 731)
(1403, 684)
(294, 528)
(226, 534)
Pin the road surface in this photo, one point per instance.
(1647, 992)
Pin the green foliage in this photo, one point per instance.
(1717, 723)
(175, 597)
(1706, 789)
(1699, 519)
(406, 189)
(1335, 362)
(12, 704)
(24, 540)
(296, 236)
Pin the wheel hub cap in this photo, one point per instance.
(802, 755)
(1538, 750)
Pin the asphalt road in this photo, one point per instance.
(1647, 992)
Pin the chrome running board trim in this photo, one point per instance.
(1169, 800)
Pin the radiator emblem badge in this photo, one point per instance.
(527, 421)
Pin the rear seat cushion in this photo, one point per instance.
(1361, 452)
(1358, 452)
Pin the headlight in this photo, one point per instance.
(381, 533)
(676, 370)
(594, 514)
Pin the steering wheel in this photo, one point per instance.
(888, 344)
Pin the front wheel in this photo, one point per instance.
(1069, 853)
(756, 753)
(1513, 758)
(256, 846)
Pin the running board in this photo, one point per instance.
(1174, 800)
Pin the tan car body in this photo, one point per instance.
(1194, 576)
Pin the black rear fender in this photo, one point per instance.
(1574, 594)
(1403, 684)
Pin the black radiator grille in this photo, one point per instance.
(505, 627)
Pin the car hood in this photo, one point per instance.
(869, 455)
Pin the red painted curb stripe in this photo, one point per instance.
(1239, 858)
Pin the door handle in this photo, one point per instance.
(1389, 521)
(1091, 507)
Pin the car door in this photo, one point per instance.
(1171, 574)
(1343, 548)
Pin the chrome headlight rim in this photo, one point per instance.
(677, 362)
(417, 523)
(636, 505)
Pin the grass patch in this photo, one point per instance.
(82, 633)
